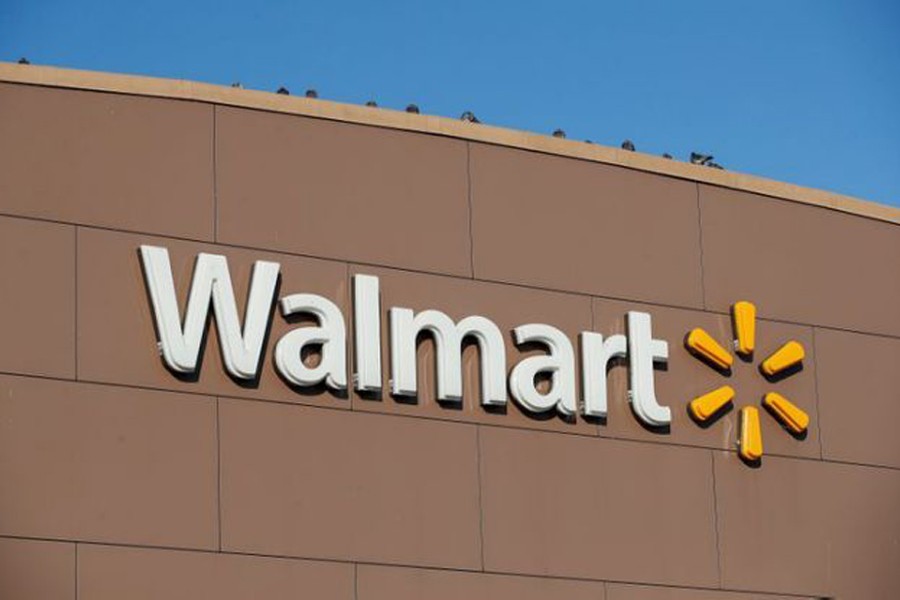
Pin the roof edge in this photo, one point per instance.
(443, 126)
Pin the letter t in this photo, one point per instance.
(643, 351)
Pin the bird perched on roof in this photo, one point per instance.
(24, 61)
(700, 159)
(559, 133)
(705, 160)
(628, 145)
(283, 91)
(469, 117)
(412, 108)
(311, 93)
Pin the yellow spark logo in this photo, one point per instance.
(706, 407)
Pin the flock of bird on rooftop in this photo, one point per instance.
(696, 158)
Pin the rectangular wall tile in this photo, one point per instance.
(37, 301)
(316, 483)
(859, 397)
(808, 527)
(508, 307)
(36, 570)
(584, 227)
(129, 162)
(342, 191)
(864, 532)
(101, 463)
(684, 377)
(800, 263)
(391, 583)
(621, 591)
(772, 524)
(113, 573)
(117, 339)
(572, 506)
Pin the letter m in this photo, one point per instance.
(448, 337)
(180, 344)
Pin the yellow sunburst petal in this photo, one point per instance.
(705, 406)
(709, 349)
(744, 315)
(751, 446)
(787, 412)
(784, 358)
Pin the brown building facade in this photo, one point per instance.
(122, 476)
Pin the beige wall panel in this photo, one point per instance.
(803, 264)
(571, 225)
(573, 506)
(117, 341)
(685, 377)
(508, 306)
(772, 524)
(115, 573)
(36, 570)
(103, 463)
(37, 303)
(864, 531)
(859, 397)
(332, 484)
(620, 591)
(141, 164)
(390, 583)
(342, 191)
(807, 527)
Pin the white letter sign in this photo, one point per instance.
(331, 334)
(181, 346)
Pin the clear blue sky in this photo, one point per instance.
(801, 91)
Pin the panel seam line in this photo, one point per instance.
(469, 200)
(816, 392)
(75, 303)
(480, 495)
(700, 239)
(712, 463)
(215, 173)
(218, 476)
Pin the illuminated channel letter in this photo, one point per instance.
(787, 412)
(705, 406)
(448, 337)
(743, 314)
(750, 444)
(180, 347)
(703, 345)
(330, 334)
(367, 333)
(559, 363)
(595, 356)
(643, 351)
(784, 358)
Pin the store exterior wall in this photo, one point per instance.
(121, 479)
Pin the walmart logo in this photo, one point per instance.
(783, 362)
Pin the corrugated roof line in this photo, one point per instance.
(443, 126)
